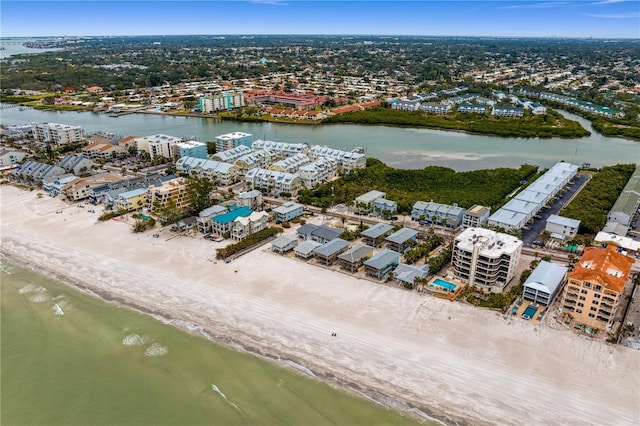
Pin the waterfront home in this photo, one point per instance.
(507, 111)
(290, 164)
(324, 234)
(283, 244)
(544, 283)
(203, 221)
(187, 223)
(288, 211)
(319, 171)
(352, 259)
(243, 226)
(106, 192)
(76, 164)
(130, 200)
(233, 140)
(476, 216)
(221, 224)
(224, 173)
(33, 172)
(347, 160)
(171, 192)
(80, 189)
(401, 240)
(384, 208)
(328, 252)
(232, 154)
(280, 149)
(375, 235)
(381, 264)
(434, 213)
(406, 275)
(411, 104)
(594, 288)
(55, 185)
(472, 108)
(562, 227)
(273, 182)
(11, 156)
(306, 248)
(436, 108)
(364, 203)
(485, 258)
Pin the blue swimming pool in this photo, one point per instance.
(529, 312)
(444, 284)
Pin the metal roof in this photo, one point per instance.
(377, 230)
(332, 247)
(356, 253)
(383, 258)
(402, 235)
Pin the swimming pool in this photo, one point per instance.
(444, 284)
(529, 312)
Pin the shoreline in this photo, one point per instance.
(392, 343)
(407, 409)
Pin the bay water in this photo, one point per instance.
(72, 359)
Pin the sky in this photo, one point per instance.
(501, 18)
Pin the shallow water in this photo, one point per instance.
(71, 359)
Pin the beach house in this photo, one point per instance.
(130, 200)
(352, 259)
(375, 235)
(283, 244)
(243, 226)
(328, 252)
(251, 199)
(221, 224)
(406, 274)
(204, 217)
(55, 185)
(306, 248)
(364, 203)
(544, 283)
(401, 240)
(288, 211)
(476, 216)
(381, 264)
(81, 188)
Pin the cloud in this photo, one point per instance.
(631, 15)
(609, 1)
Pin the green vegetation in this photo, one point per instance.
(629, 130)
(530, 126)
(413, 255)
(437, 263)
(141, 225)
(107, 216)
(595, 200)
(492, 300)
(198, 191)
(444, 185)
(253, 239)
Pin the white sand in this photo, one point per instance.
(463, 362)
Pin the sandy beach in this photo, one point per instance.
(466, 364)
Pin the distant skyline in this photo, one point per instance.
(500, 18)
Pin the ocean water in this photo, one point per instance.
(72, 359)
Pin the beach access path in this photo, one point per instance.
(466, 363)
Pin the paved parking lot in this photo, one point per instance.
(536, 228)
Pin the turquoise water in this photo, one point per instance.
(71, 359)
(445, 284)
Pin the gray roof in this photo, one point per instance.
(217, 209)
(377, 230)
(248, 195)
(326, 232)
(408, 273)
(283, 241)
(356, 253)
(563, 221)
(307, 247)
(628, 200)
(370, 197)
(306, 229)
(383, 258)
(332, 247)
(287, 207)
(402, 235)
(546, 277)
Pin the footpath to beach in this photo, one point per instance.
(464, 363)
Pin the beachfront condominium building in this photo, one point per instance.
(58, 134)
(193, 149)
(169, 193)
(222, 102)
(233, 140)
(485, 258)
(544, 283)
(592, 294)
(157, 145)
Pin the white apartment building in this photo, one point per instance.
(485, 258)
(157, 145)
(272, 181)
(59, 134)
(221, 102)
(224, 173)
(290, 164)
(347, 160)
(280, 149)
(320, 171)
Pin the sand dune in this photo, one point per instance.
(465, 363)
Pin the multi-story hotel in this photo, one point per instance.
(59, 134)
(233, 140)
(222, 102)
(158, 145)
(594, 287)
(485, 258)
(161, 194)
